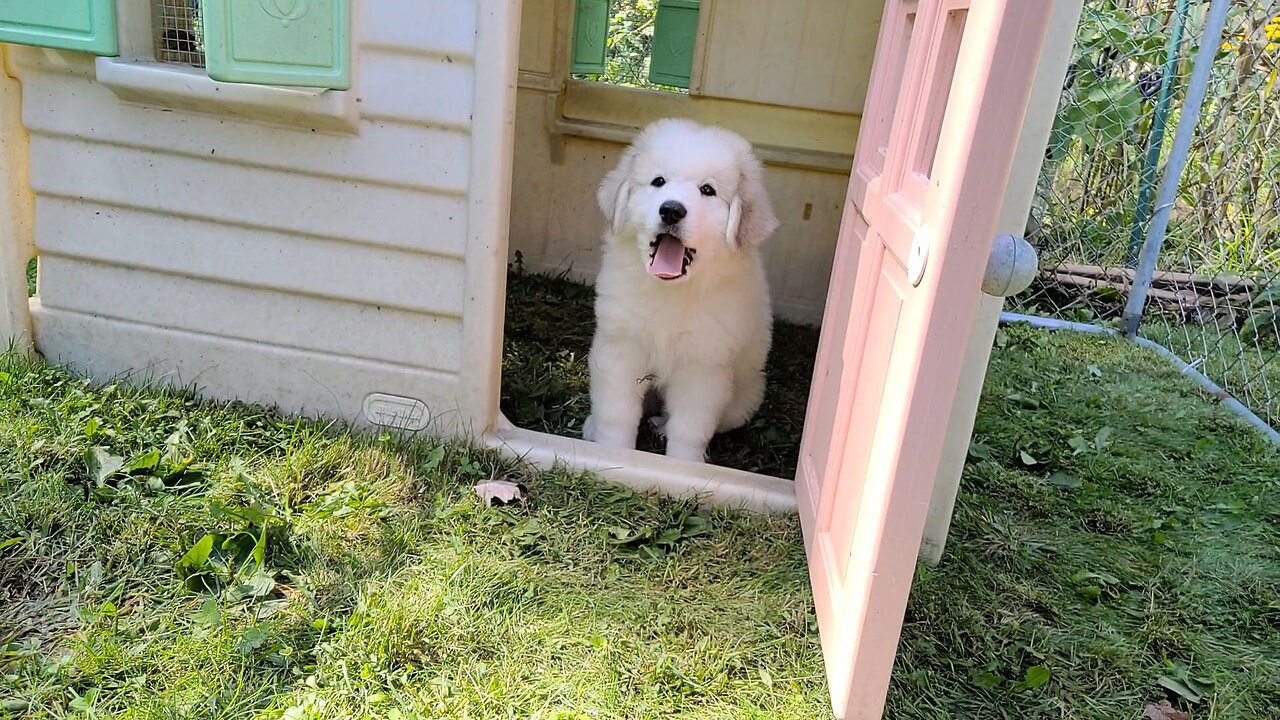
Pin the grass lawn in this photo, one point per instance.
(1238, 351)
(1117, 542)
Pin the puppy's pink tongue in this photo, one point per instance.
(668, 259)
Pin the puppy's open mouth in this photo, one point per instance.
(669, 258)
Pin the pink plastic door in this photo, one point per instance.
(948, 92)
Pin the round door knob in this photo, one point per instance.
(1011, 266)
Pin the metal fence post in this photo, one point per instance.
(1147, 184)
(1190, 117)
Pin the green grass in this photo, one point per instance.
(1239, 352)
(1114, 530)
(387, 584)
(1247, 367)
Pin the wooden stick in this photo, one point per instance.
(1223, 282)
(1182, 297)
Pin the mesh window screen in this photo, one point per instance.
(179, 34)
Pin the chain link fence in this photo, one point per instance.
(1214, 297)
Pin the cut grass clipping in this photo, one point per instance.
(1114, 550)
(545, 384)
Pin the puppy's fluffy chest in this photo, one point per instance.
(706, 323)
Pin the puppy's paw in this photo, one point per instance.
(608, 435)
(685, 451)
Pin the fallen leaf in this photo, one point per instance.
(986, 679)
(147, 461)
(978, 451)
(1078, 444)
(1183, 689)
(527, 532)
(1035, 677)
(1164, 711)
(101, 464)
(251, 640)
(1102, 439)
(209, 614)
(501, 492)
(1065, 480)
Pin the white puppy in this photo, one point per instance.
(682, 306)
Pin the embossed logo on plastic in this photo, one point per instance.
(396, 411)
(284, 12)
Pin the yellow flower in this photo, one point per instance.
(1271, 31)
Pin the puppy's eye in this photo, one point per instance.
(707, 190)
(659, 181)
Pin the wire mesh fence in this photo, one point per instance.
(178, 31)
(1214, 298)
(629, 47)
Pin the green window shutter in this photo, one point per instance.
(303, 43)
(590, 36)
(674, 33)
(83, 25)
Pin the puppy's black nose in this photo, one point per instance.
(672, 212)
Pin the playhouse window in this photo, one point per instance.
(178, 31)
(636, 43)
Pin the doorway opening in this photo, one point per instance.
(799, 109)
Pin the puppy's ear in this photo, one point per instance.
(751, 218)
(615, 190)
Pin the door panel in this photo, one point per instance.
(948, 93)
(889, 278)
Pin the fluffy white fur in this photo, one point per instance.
(699, 339)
